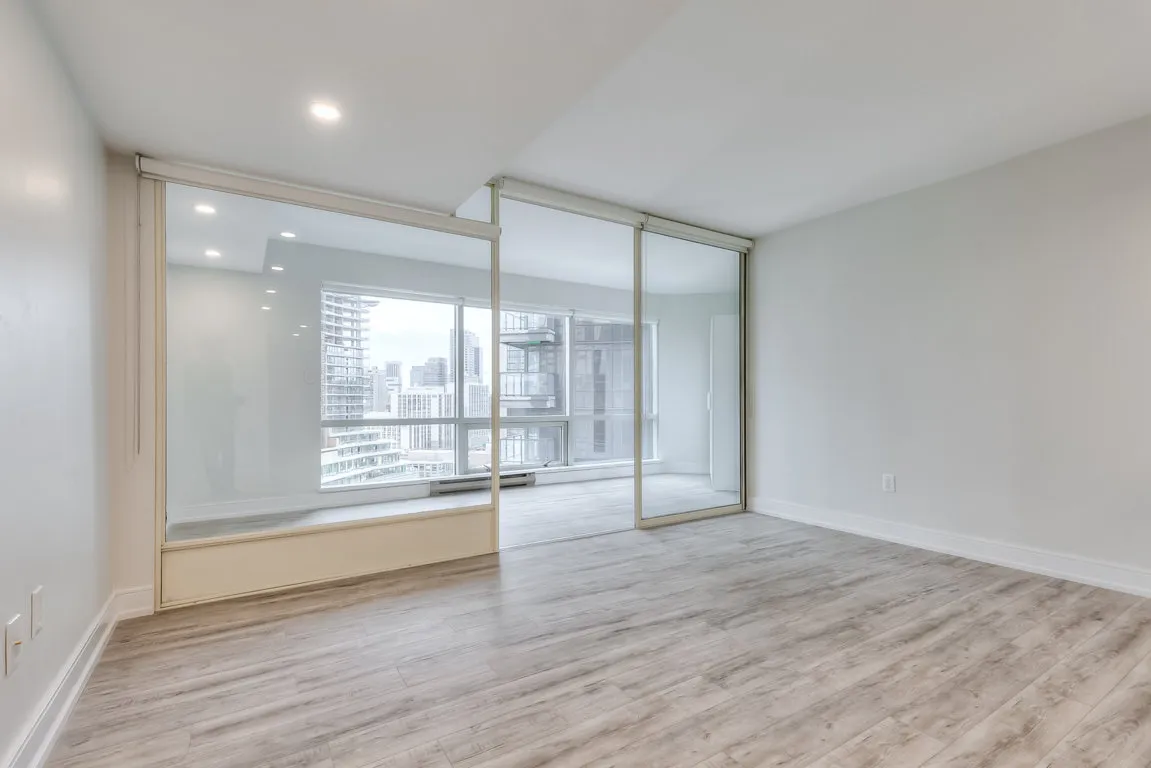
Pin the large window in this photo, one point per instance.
(399, 369)
(392, 367)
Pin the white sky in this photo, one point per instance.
(413, 331)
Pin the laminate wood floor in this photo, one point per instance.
(739, 641)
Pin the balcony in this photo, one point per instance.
(528, 390)
(522, 329)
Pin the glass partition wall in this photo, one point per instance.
(340, 391)
(566, 360)
(691, 297)
(321, 368)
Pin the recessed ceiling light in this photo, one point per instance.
(295, 334)
(277, 268)
(265, 307)
(212, 253)
(270, 290)
(325, 112)
(288, 235)
(303, 326)
(205, 209)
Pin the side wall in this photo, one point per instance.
(985, 339)
(54, 522)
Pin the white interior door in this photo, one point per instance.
(723, 403)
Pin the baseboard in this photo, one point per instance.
(1061, 565)
(133, 602)
(56, 706)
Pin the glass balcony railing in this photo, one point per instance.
(525, 321)
(529, 328)
(528, 385)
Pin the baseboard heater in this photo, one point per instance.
(458, 484)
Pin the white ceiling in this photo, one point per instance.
(536, 242)
(743, 115)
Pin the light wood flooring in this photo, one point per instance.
(738, 641)
(528, 514)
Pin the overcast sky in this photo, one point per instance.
(413, 331)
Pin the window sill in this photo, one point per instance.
(538, 470)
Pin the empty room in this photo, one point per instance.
(659, 383)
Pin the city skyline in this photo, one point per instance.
(409, 332)
(371, 343)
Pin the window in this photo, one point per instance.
(370, 342)
(532, 363)
(412, 374)
(603, 385)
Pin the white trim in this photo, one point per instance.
(310, 197)
(697, 234)
(525, 192)
(318, 500)
(1061, 565)
(580, 473)
(210, 570)
(133, 602)
(54, 709)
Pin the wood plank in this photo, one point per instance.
(740, 641)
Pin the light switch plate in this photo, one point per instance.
(37, 613)
(13, 643)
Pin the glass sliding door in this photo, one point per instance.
(691, 367)
(566, 367)
(321, 368)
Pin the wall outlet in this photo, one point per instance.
(889, 483)
(37, 612)
(14, 642)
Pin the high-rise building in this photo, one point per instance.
(351, 455)
(381, 392)
(384, 383)
(425, 403)
(478, 400)
(358, 455)
(436, 372)
(602, 391)
(473, 357)
(531, 364)
(345, 388)
(416, 376)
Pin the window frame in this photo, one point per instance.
(463, 423)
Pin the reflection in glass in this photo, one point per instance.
(691, 299)
(316, 378)
(566, 374)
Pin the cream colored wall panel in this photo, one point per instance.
(225, 569)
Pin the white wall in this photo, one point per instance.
(54, 514)
(683, 367)
(987, 339)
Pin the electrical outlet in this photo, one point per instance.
(14, 641)
(37, 613)
(889, 483)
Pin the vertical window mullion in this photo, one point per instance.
(461, 443)
(569, 358)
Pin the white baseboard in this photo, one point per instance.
(133, 602)
(1061, 565)
(54, 709)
